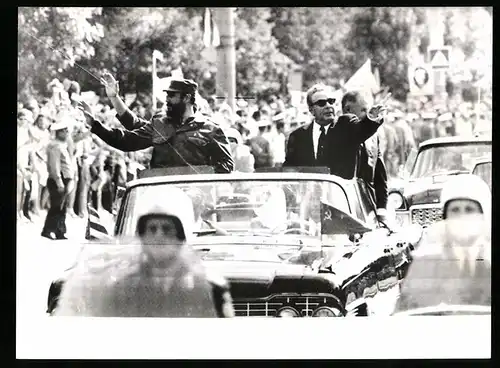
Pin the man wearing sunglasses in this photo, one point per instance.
(329, 141)
(179, 136)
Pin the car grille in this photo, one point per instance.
(268, 307)
(426, 216)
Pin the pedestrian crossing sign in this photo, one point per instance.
(439, 58)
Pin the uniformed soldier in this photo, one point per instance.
(59, 183)
(180, 136)
(452, 264)
(160, 276)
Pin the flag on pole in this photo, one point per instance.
(210, 31)
(207, 33)
(215, 36)
(177, 73)
(363, 81)
(158, 55)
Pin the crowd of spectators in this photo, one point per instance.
(99, 168)
(257, 130)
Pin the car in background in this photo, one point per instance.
(416, 196)
(290, 244)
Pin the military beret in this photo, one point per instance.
(182, 85)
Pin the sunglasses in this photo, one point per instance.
(322, 103)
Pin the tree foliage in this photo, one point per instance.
(259, 64)
(50, 40)
(329, 43)
(131, 36)
(385, 36)
(313, 39)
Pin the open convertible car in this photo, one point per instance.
(290, 244)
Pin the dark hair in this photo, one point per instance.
(311, 91)
(40, 117)
(352, 96)
(192, 100)
(256, 115)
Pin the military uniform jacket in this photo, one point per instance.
(197, 142)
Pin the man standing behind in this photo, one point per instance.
(328, 141)
(370, 166)
(261, 147)
(179, 136)
(60, 182)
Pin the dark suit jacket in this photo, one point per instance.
(342, 145)
(371, 169)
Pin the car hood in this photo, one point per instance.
(426, 190)
(255, 271)
(261, 279)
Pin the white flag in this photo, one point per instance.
(363, 81)
(177, 73)
(215, 36)
(207, 33)
(157, 55)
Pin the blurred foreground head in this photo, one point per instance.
(165, 222)
(466, 201)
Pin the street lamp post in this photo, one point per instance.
(226, 55)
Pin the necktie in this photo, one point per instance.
(320, 156)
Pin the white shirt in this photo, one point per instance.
(279, 148)
(316, 134)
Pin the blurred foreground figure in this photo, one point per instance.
(453, 263)
(158, 276)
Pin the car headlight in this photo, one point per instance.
(287, 312)
(327, 312)
(395, 200)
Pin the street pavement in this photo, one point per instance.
(41, 260)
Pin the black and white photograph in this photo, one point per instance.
(179, 165)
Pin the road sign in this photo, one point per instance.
(439, 57)
(421, 79)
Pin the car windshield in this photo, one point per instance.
(256, 207)
(450, 157)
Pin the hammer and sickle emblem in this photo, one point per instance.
(328, 214)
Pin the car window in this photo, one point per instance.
(449, 157)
